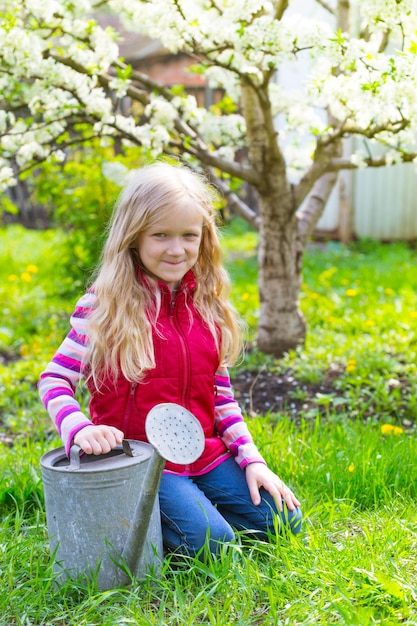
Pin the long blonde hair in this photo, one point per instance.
(120, 327)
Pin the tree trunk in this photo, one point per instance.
(281, 324)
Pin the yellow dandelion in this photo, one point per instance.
(26, 277)
(390, 429)
(351, 292)
(389, 291)
(369, 323)
(245, 296)
(314, 295)
(328, 273)
(24, 350)
(12, 278)
(32, 269)
(351, 468)
(413, 314)
(351, 365)
(36, 348)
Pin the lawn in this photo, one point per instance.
(342, 434)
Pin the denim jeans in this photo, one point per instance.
(194, 508)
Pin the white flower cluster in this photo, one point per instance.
(382, 14)
(7, 178)
(161, 112)
(54, 54)
(47, 10)
(187, 107)
(218, 77)
(358, 159)
(119, 86)
(36, 35)
(242, 35)
(229, 130)
(372, 88)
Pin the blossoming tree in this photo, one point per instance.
(62, 82)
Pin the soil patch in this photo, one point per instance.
(262, 392)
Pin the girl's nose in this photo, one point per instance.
(175, 247)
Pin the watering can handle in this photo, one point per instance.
(75, 462)
(76, 452)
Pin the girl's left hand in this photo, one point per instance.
(259, 475)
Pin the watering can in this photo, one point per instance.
(102, 511)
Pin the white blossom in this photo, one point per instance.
(7, 178)
(225, 152)
(29, 151)
(161, 111)
(119, 86)
(392, 157)
(358, 159)
(229, 130)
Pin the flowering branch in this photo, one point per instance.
(336, 165)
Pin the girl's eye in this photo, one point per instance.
(185, 235)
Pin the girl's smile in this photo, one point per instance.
(170, 247)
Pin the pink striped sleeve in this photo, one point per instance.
(230, 423)
(58, 382)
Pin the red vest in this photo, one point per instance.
(186, 363)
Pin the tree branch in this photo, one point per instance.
(313, 208)
(342, 15)
(236, 205)
(282, 6)
(326, 6)
(233, 168)
(335, 165)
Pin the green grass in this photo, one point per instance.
(355, 562)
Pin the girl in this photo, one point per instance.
(156, 326)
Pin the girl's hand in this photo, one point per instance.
(98, 439)
(259, 475)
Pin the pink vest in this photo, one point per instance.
(186, 363)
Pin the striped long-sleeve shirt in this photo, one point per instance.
(58, 383)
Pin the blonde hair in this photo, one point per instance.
(120, 327)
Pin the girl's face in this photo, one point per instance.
(170, 247)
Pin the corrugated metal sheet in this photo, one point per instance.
(329, 221)
(385, 202)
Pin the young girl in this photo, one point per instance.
(156, 326)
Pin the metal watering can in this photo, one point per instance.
(102, 511)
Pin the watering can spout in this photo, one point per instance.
(177, 436)
(135, 542)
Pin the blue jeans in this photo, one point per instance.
(194, 508)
